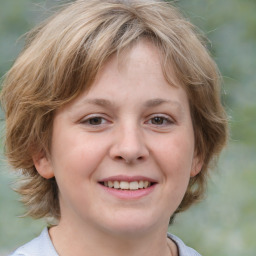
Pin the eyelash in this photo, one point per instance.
(164, 121)
(89, 120)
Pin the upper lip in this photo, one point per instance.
(127, 178)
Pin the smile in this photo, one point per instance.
(125, 185)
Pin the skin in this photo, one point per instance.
(131, 122)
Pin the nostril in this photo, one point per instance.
(128, 160)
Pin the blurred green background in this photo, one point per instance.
(224, 224)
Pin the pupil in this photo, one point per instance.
(95, 121)
(158, 120)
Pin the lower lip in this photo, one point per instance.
(129, 194)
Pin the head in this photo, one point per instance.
(61, 60)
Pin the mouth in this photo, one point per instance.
(126, 185)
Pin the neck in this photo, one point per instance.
(87, 241)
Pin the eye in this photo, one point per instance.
(94, 121)
(160, 120)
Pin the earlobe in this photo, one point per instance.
(196, 166)
(43, 165)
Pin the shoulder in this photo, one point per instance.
(39, 246)
(182, 248)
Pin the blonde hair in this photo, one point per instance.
(61, 59)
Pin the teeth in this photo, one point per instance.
(124, 185)
(146, 183)
(116, 184)
(110, 184)
(133, 185)
(141, 184)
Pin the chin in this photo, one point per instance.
(132, 224)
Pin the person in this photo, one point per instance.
(113, 118)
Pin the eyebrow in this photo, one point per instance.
(149, 103)
(158, 101)
(100, 102)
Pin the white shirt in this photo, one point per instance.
(42, 246)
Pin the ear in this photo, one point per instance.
(197, 165)
(43, 165)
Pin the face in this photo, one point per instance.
(123, 152)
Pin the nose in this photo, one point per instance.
(129, 146)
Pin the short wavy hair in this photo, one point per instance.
(63, 55)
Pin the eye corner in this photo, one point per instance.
(95, 121)
(160, 120)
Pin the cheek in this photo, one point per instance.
(175, 155)
(77, 155)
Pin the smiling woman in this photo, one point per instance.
(114, 122)
(123, 146)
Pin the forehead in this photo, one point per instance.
(133, 77)
(141, 59)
